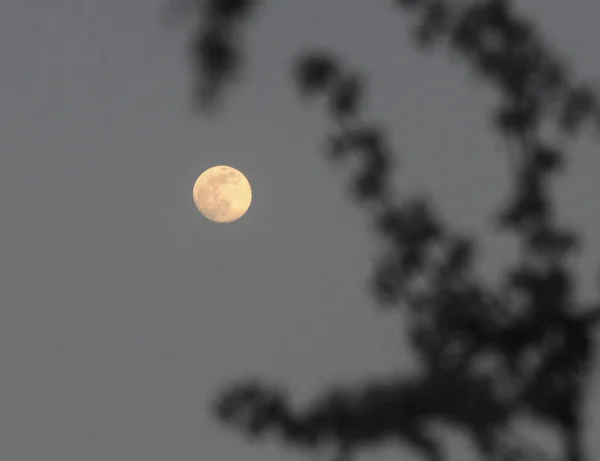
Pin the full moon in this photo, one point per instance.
(222, 194)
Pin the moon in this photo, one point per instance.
(222, 194)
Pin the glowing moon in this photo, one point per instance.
(222, 194)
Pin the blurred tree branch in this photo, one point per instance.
(456, 322)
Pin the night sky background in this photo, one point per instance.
(123, 310)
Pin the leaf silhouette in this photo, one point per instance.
(316, 72)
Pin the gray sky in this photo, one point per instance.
(123, 309)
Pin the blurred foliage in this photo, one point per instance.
(475, 342)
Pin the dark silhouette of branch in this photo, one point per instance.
(391, 408)
(455, 321)
(215, 46)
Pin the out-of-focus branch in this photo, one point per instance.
(454, 316)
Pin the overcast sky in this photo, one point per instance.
(123, 309)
